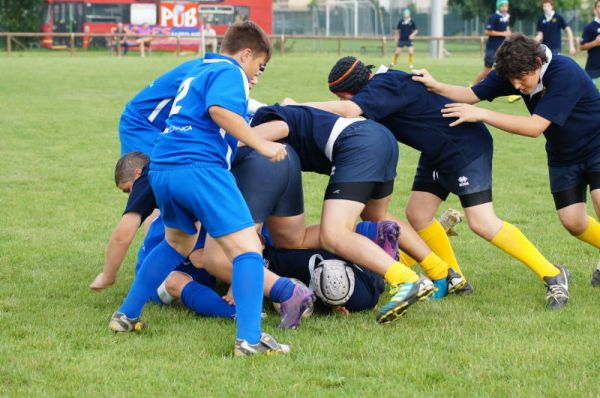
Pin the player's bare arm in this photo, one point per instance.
(272, 131)
(455, 93)
(572, 48)
(590, 44)
(528, 126)
(343, 108)
(235, 125)
(119, 243)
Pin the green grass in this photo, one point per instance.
(58, 206)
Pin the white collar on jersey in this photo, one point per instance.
(504, 18)
(549, 17)
(597, 20)
(382, 69)
(540, 85)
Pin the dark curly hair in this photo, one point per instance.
(519, 55)
(348, 76)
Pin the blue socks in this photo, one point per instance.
(205, 301)
(368, 229)
(282, 290)
(248, 283)
(154, 270)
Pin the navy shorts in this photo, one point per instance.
(405, 43)
(364, 152)
(489, 57)
(269, 188)
(202, 192)
(472, 183)
(568, 183)
(295, 264)
(136, 133)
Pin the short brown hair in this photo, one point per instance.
(125, 168)
(246, 34)
(519, 55)
(548, 1)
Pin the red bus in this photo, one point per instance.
(174, 17)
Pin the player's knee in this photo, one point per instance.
(329, 239)
(483, 228)
(416, 217)
(176, 282)
(575, 225)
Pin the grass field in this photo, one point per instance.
(59, 204)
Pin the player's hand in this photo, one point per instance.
(288, 101)
(102, 281)
(462, 113)
(275, 151)
(424, 77)
(572, 51)
(340, 309)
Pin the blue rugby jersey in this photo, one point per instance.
(590, 32)
(551, 28)
(414, 116)
(566, 97)
(154, 101)
(309, 132)
(406, 28)
(190, 134)
(499, 23)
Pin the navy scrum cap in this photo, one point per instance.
(348, 76)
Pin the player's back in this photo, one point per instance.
(309, 131)
(190, 134)
(154, 101)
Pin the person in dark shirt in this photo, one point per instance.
(564, 107)
(457, 161)
(496, 29)
(405, 33)
(590, 42)
(549, 27)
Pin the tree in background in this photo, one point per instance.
(20, 15)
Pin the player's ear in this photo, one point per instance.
(137, 172)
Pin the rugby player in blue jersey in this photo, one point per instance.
(564, 107)
(453, 159)
(190, 179)
(405, 33)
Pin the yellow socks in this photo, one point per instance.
(435, 268)
(437, 239)
(591, 234)
(398, 273)
(407, 260)
(513, 242)
(395, 59)
(410, 60)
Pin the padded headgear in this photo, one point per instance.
(348, 76)
(332, 280)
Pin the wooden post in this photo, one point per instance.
(178, 49)
(72, 44)
(383, 45)
(282, 45)
(142, 49)
(8, 44)
(118, 46)
(339, 46)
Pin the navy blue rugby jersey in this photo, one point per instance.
(414, 116)
(590, 32)
(566, 97)
(406, 28)
(499, 23)
(551, 29)
(141, 199)
(309, 131)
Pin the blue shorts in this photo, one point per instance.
(489, 57)
(365, 151)
(202, 192)
(136, 133)
(472, 183)
(568, 183)
(405, 43)
(269, 188)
